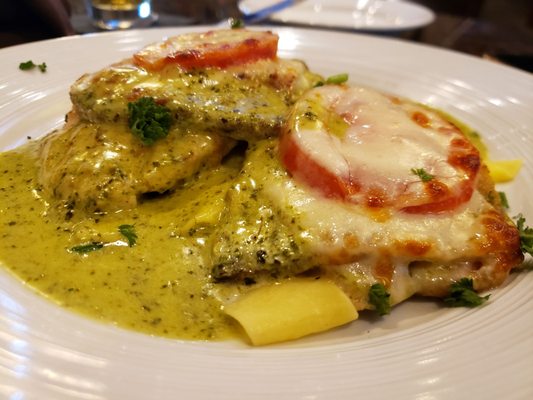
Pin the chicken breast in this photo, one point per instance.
(247, 101)
(215, 87)
(103, 167)
(365, 189)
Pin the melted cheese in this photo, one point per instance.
(220, 48)
(450, 235)
(385, 246)
(381, 144)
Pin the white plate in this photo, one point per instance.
(367, 15)
(421, 351)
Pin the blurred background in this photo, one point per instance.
(498, 29)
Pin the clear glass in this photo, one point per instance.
(120, 14)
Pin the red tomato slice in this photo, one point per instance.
(219, 49)
(363, 147)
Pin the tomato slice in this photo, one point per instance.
(219, 49)
(364, 147)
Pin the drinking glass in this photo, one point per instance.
(120, 14)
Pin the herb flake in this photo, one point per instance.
(462, 294)
(503, 200)
(236, 23)
(128, 231)
(422, 174)
(148, 120)
(337, 79)
(379, 298)
(333, 80)
(87, 247)
(311, 115)
(526, 235)
(26, 66)
(29, 65)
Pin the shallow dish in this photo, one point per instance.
(421, 351)
(366, 15)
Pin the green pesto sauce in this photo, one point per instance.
(159, 286)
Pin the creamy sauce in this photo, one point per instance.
(164, 284)
(159, 286)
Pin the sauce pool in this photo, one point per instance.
(159, 286)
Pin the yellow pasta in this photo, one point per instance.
(500, 171)
(291, 309)
(503, 170)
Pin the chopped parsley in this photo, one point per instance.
(25, 66)
(333, 80)
(462, 294)
(526, 235)
(29, 65)
(87, 247)
(148, 120)
(337, 79)
(503, 200)
(379, 298)
(236, 23)
(422, 174)
(128, 231)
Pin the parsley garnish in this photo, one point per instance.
(379, 298)
(87, 247)
(28, 65)
(128, 231)
(333, 80)
(337, 79)
(236, 23)
(462, 294)
(526, 235)
(148, 120)
(503, 200)
(422, 174)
